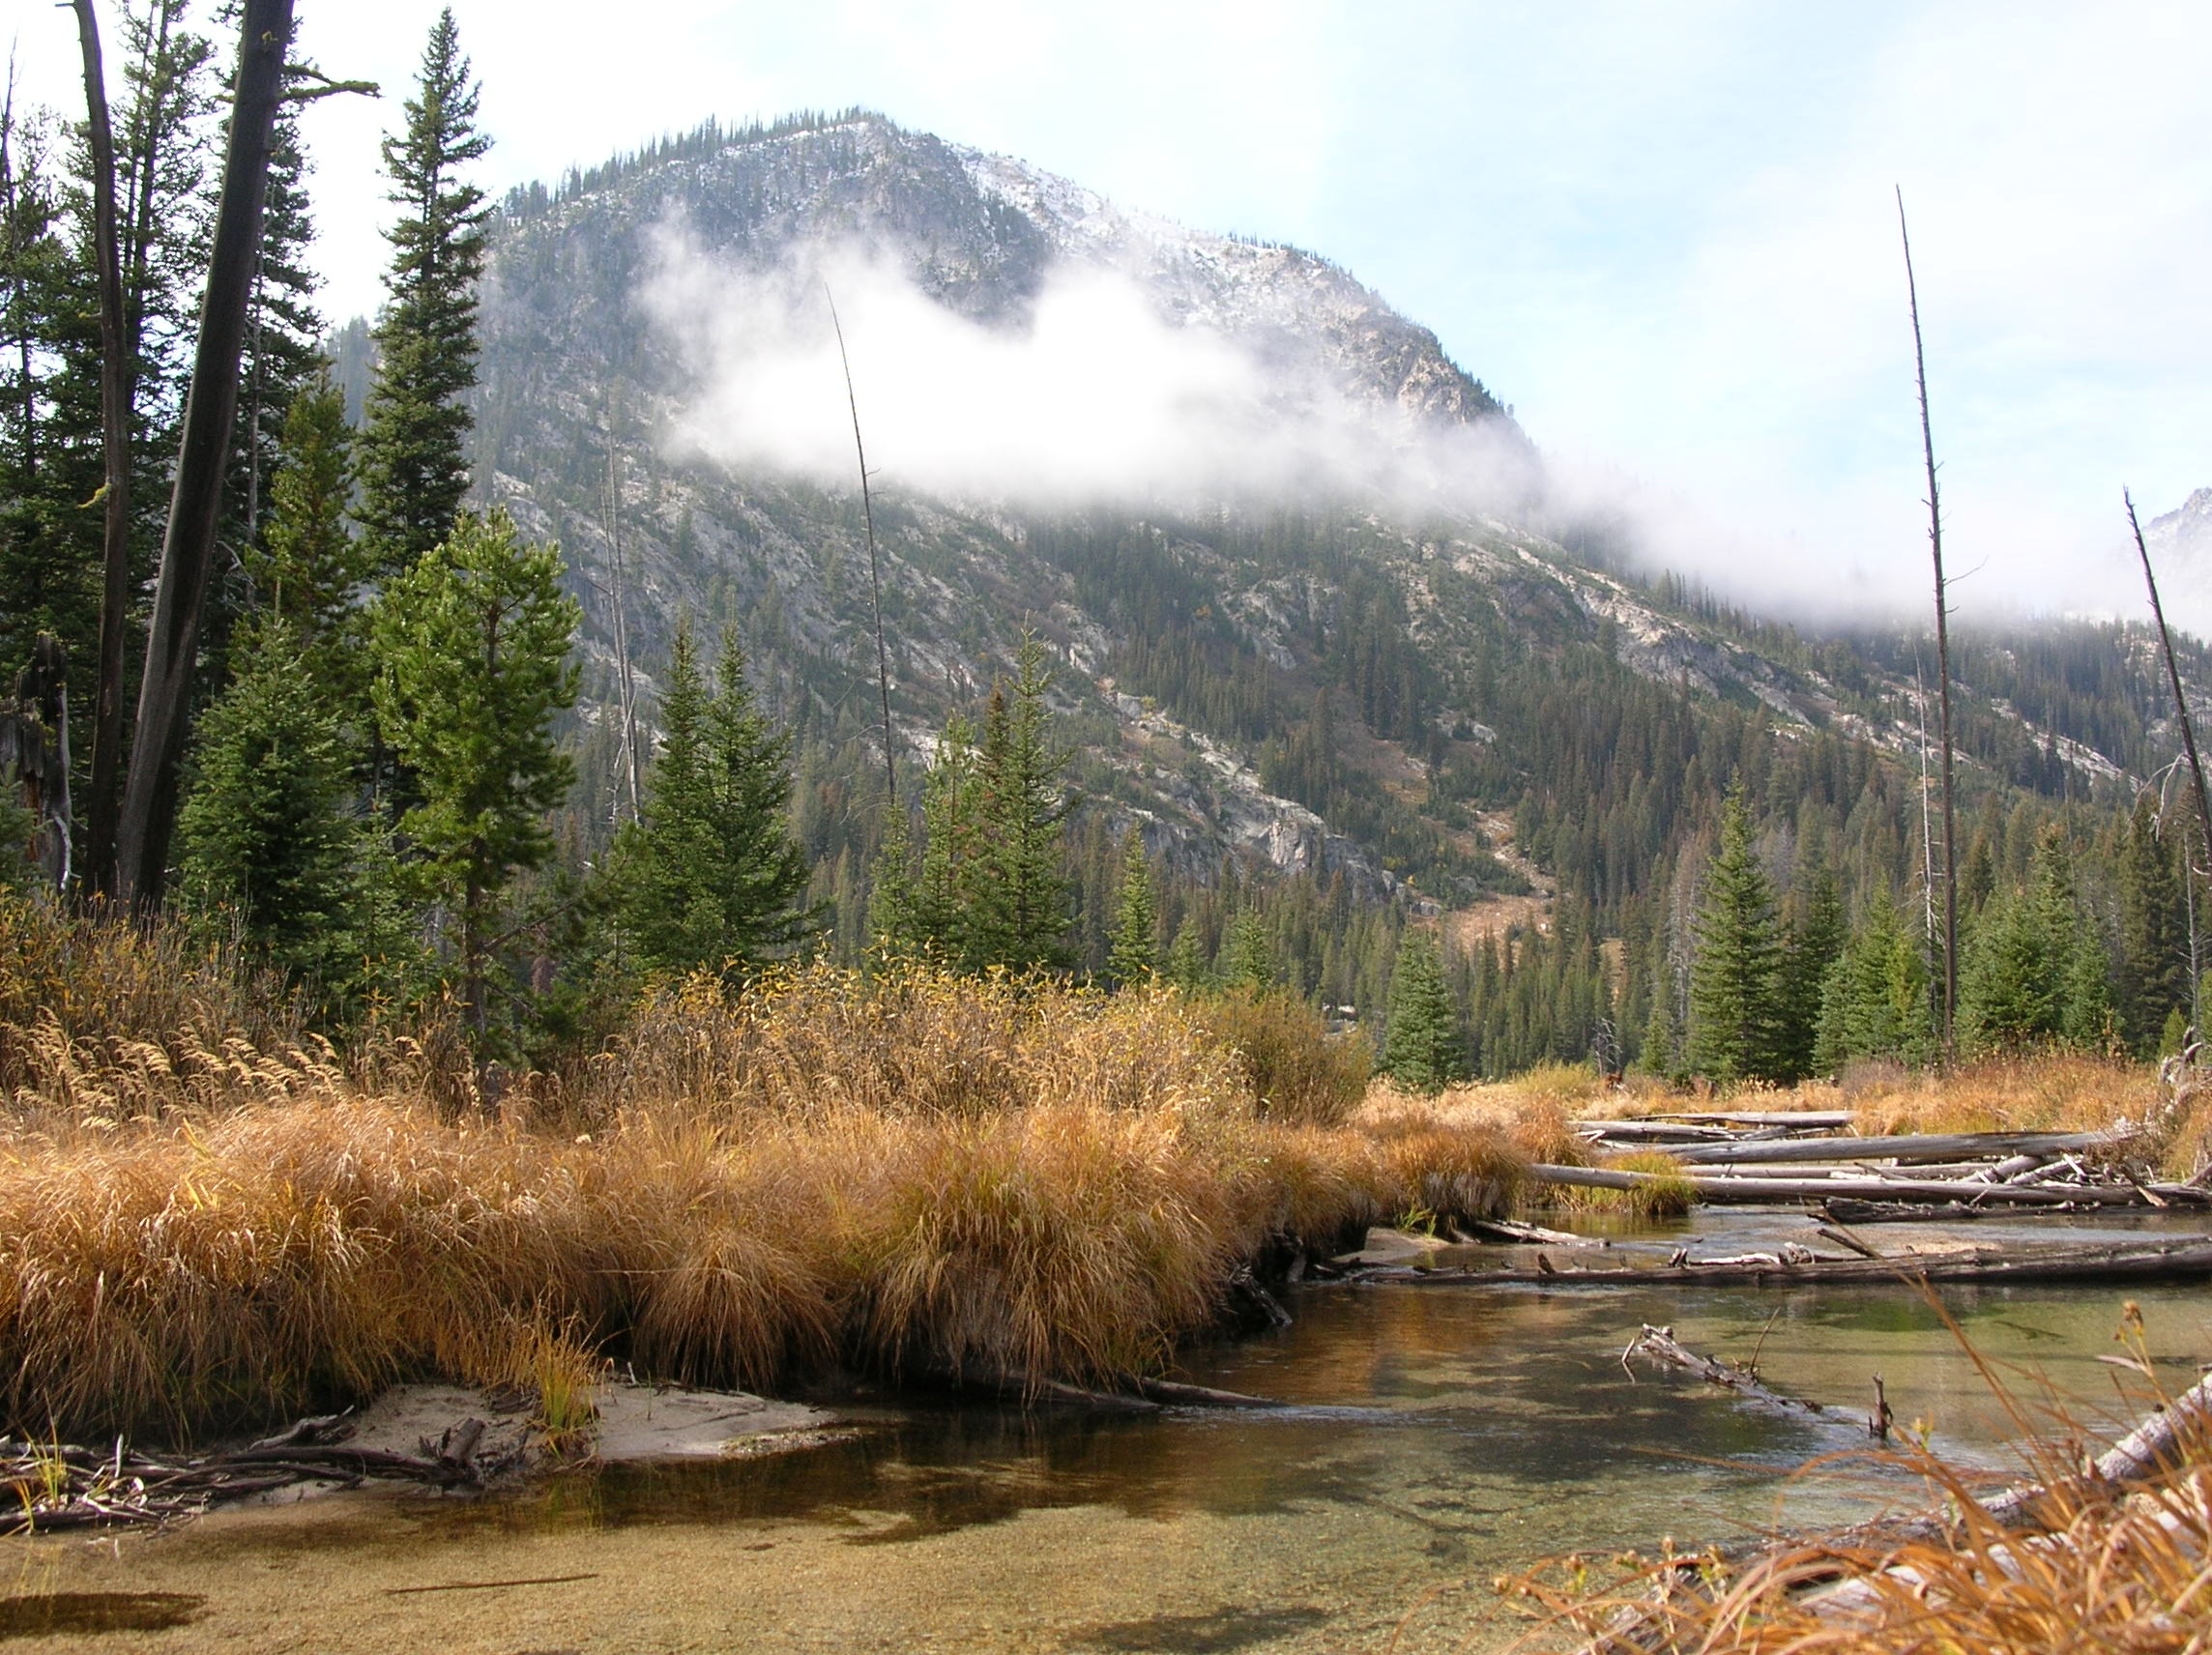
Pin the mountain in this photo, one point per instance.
(1373, 678)
(2180, 546)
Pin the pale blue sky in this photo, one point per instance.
(1664, 233)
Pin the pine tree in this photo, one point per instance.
(51, 458)
(308, 567)
(926, 909)
(1423, 1051)
(990, 890)
(2154, 931)
(711, 875)
(1875, 1002)
(1249, 953)
(1020, 901)
(1186, 958)
(2035, 969)
(415, 469)
(1815, 943)
(1135, 953)
(472, 663)
(1660, 1052)
(268, 837)
(1735, 975)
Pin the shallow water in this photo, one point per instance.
(1438, 1438)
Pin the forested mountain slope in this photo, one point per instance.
(1328, 703)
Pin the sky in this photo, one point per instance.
(1665, 234)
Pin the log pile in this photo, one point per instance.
(1813, 1157)
(2147, 1258)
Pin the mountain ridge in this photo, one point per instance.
(1337, 689)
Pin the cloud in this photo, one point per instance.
(1093, 396)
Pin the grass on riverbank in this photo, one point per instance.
(914, 1175)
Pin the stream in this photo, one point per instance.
(1436, 1439)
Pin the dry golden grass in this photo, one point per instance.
(2105, 1570)
(918, 1174)
(2050, 1091)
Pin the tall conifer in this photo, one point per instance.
(472, 664)
(1736, 976)
(1423, 1051)
(415, 469)
(711, 874)
(1135, 953)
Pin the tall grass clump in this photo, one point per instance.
(1295, 1066)
(102, 1019)
(914, 1173)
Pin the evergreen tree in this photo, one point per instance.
(1186, 958)
(285, 328)
(472, 664)
(990, 890)
(1660, 1052)
(51, 458)
(1875, 1002)
(2035, 969)
(1248, 956)
(308, 567)
(1814, 944)
(415, 469)
(268, 838)
(1735, 975)
(711, 875)
(926, 909)
(1020, 901)
(1423, 1051)
(1136, 951)
(2154, 931)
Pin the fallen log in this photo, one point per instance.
(1172, 1393)
(1659, 1344)
(1668, 1132)
(1029, 1391)
(1512, 1229)
(1714, 1187)
(1805, 1120)
(1905, 1149)
(2171, 1258)
(1844, 1210)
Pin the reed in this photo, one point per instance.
(915, 1174)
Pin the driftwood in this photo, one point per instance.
(57, 1486)
(1918, 1147)
(1135, 1393)
(1659, 1344)
(1512, 1229)
(2170, 1258)
(1720, 1188)
(1172, 1393)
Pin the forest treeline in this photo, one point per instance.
(403, 788)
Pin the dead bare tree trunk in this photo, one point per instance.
(211, 410)
(1942, 652)
(2172, 677)
(115, 488)
(875, 572)
(626, 685)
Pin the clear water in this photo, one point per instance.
(1438, 1438)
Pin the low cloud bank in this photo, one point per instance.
(1097, 398)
